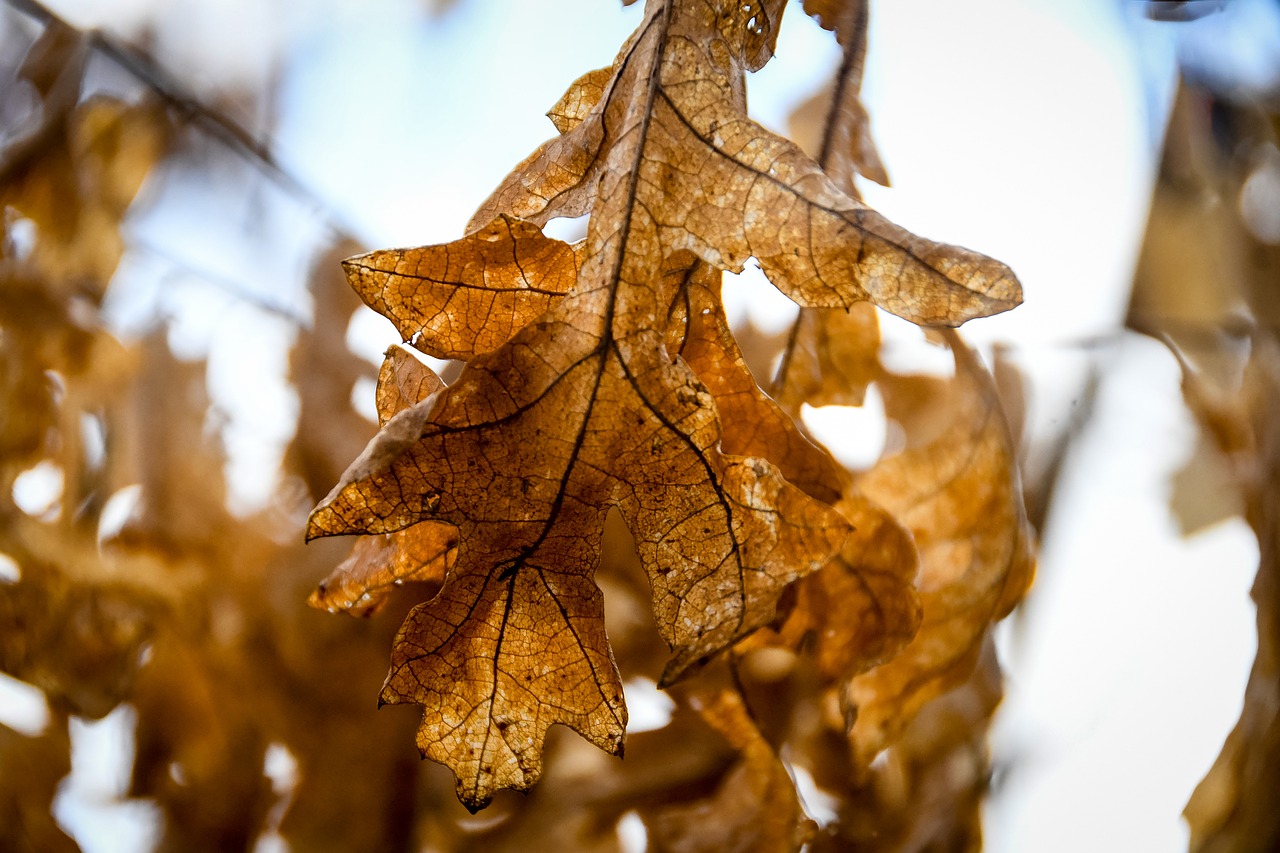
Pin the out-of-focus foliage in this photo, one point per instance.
(1207, 285)
(605, 457)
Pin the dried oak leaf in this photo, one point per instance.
(831, 356)
(580, 99)
(959, 494)
(752, 424)
(753, 809)
(523, 454)
(860, 609)
(361, 583)
(583, 409)
(669, 143)
(467, 297)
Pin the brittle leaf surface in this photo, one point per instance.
(718, 184)
(469, 296)
(361, 583)
(523, 453)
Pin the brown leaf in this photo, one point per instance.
(670, 139)
(924, 792)
(361, 583)
(582, 408)
(76, 186)
(860, 609)
(844, 145)
(753, 425)
(754, 809)
(959, 494)
(580, 99)
(830, 358)
(33, 767)
(403, 381)
(467, 297)
(522, 454)
(1231, 808)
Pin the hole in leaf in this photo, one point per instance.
(570, 229)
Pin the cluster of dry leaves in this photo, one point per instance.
(601, 456)
(1206, 286)
(602, 377)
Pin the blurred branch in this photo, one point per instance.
(190, 110)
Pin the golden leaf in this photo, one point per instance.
(361, 583)
(958, 492)
(466, 297)
(575, 399)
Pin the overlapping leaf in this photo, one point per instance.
(958, 492)
(846, 147)
(753, 425)
(470, 296)
(831, 356)
(361, 583)
(754, 808)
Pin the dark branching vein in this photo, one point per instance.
(712, 479)
(456, 285)
(853, 215)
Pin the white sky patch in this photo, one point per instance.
(648, 708)
(855, 435)
(117, 511)
(369, 334)
(633, 836)
(10, 571)
(905, 350)
(248, 382)
(364, 400)
(90, 804)
(1134, 647)
(280, 766)
(749, 295)
(37, 490)
(817, 803)
(1027, 116)
(1260, 197)
(438, 150)
(23, 707)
